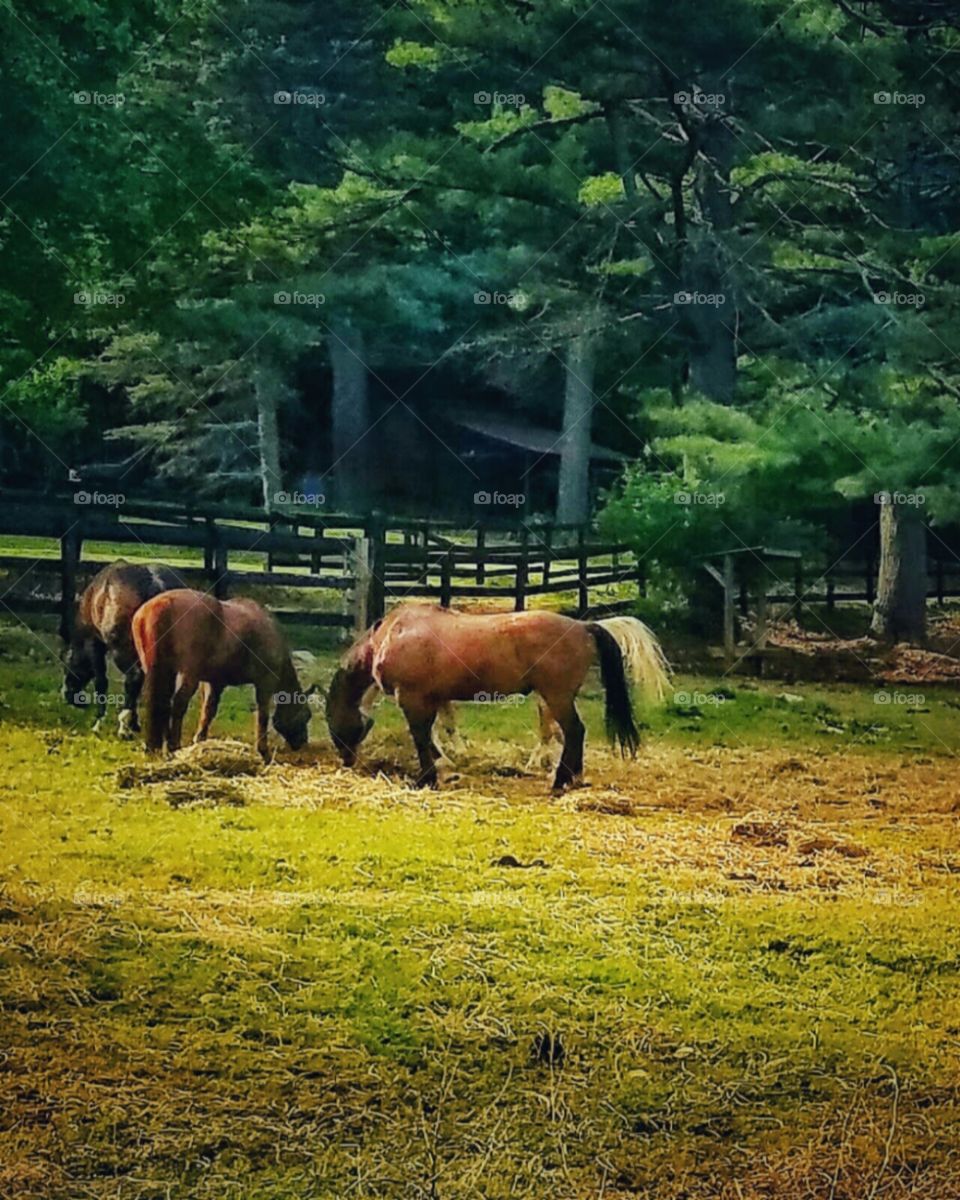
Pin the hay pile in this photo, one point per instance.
(200, 774)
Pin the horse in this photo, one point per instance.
(184, 637)
(101, 626)
(425, 656)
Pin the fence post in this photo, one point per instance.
(446, 579)
(641, 579)
(744, 597)
(376, 583)
(940, 580)
(209, 546)
(71, 543)
(523, 568)
(831, 593)
(547, 552)
(362, 573)
(481, 550)
(729, 607)
(583, 589)
(798, 581)
(221, 569)
(871, 578)
(215, 561)
(761, 632)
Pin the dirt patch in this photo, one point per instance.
(822, 655)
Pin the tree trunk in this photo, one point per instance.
(573, 492)
(271, 481)
(900, 609)
(710, 284)
(350, 417)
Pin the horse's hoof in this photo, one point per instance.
(125, 725)
(98, 724)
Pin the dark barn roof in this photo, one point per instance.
(529, 437)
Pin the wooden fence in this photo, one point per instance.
(369, 562)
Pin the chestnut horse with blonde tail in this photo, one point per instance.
(426, 656)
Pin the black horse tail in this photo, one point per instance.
(618, 711)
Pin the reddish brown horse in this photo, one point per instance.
(184, 638)
(425, 656)
(101, 626)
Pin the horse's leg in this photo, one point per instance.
(100, 680)
(160, 685)
(186, 688)
(262, 721)
(128, 723)
(208, 710)
(550, 731)
(570, 768)
(420, 718)
(453, 740)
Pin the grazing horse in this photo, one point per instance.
(425, 656)
(184, 638)
(101, 626)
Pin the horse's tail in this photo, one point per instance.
(626, 646)
(149, 626)
(618, 707)
(646, 663)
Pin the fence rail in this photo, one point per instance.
(369, 562)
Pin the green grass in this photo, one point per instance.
(334, 990)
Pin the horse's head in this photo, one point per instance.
(291, 718)
(346, 720)
(78, 670)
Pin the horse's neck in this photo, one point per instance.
(289, 681)
(357, 672)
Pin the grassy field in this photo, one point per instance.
(728, 969)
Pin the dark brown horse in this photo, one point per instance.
(101, 626)
(425, 656)
(184, 638)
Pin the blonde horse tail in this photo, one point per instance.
(643, 656)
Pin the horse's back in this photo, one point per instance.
(174, 624)
(109, 602)
(457, 655)
(220, 642)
